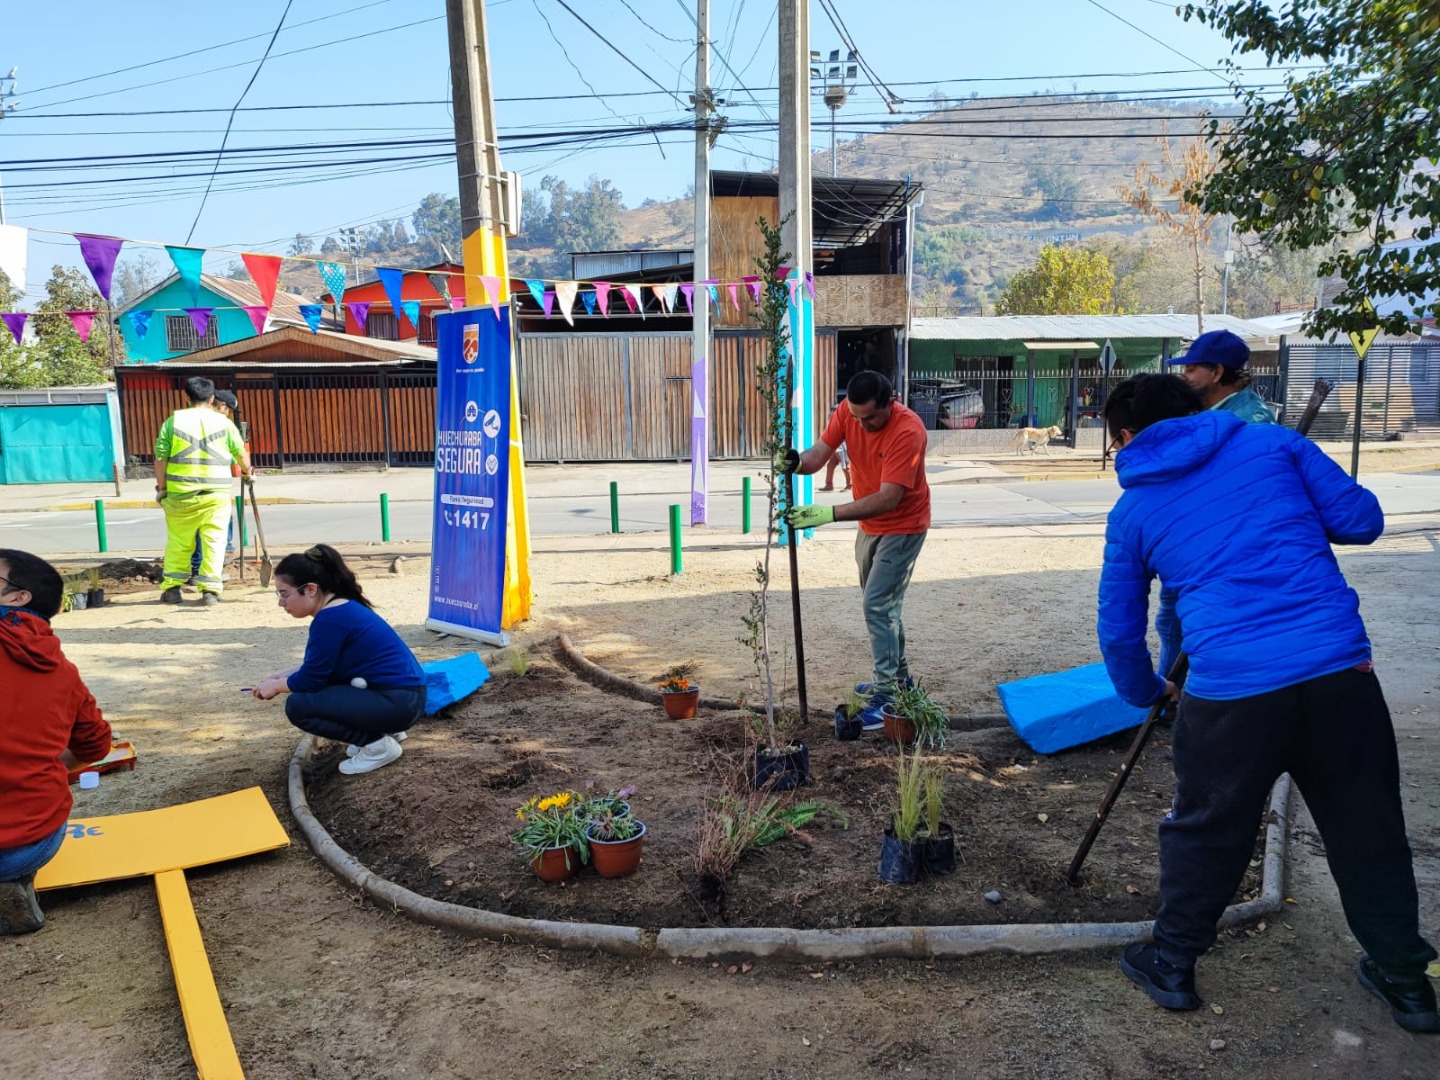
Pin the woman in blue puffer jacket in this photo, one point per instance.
(1238, 520)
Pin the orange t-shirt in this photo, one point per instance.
(893, 455)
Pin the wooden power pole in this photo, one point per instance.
(700, 360)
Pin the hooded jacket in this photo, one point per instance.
(44, 710)
(1247, 405)
(1238, 519)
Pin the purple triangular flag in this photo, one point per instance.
(392, 280)
(810, 285)
(99, 253)
(15, 320)
(312, 314)
(81, 320)
(360, 309)
(548, 301)
(257, 313)
(755, 286)
(689, 292)
(200, 319)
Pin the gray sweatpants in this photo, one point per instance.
(886, 563)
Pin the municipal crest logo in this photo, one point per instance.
(470, 343)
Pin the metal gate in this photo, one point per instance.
(1401, 391)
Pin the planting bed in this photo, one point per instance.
(438, 821)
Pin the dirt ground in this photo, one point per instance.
(318, 982)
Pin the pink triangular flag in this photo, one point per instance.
(602, 297)
(755, 288)
(781, 273)
(659, 291)
(633, 300)
(688, 291)
(734, 288)
(794, 286)
(200, 319)
(257, 313)
(456, 303)
(492, 291)
(82, 321)
(549, 301)
(565, 292)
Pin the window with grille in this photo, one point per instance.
(180, 334)
(382, 325)
(427, 328)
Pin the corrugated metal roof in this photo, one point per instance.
(1070, 327)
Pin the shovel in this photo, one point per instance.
(267, 571)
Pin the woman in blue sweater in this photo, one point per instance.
(359, 684)
(1238, 519)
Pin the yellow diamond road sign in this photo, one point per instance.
(1362, 339)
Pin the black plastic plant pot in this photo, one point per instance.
(94, 598)
(785, 771)
(938, 854)
(847, 728)
(899, 860)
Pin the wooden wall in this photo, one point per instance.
(735, 243)
(860, 300)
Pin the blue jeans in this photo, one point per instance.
(885, 564)
(1167, 625)
(22, 862)
(351, 715)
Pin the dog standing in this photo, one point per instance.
(1036, 438)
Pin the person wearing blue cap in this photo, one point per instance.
(1214, 366)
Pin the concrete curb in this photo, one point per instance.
(596, 675)
(912, 942)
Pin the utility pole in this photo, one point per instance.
(700, 355)
(7, 105)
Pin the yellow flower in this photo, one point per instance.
(520, 813)
(560, 800)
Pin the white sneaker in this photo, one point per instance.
(377, 755)
(399, 736)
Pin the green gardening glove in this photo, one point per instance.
(809, 517)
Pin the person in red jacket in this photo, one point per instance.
(49, 724)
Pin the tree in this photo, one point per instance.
(133, 279)
(1185, 174)
(437, 226)
(1056, 187)
(1063, 281)
(1346, 151)
(59, 357)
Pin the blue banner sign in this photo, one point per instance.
(472, 472)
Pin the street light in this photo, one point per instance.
(837, 82)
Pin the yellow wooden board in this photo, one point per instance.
(174, 838)
(210, 1043)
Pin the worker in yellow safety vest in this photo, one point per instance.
(193, 455)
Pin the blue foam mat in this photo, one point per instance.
(1065, 709)
(448, 681)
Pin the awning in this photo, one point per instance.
(1058, 346)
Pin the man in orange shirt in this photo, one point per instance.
(892, 505)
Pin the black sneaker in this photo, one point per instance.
(19, 909)
(1169, 985)
(1411, 1001)
(171, 595)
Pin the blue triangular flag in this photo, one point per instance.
(187, 262)
(588, 299)
(333, 274)
(391, 279)
(312, 314)
(140, 321)
(412, 311)
(537, 290)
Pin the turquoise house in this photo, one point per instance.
(172, 333)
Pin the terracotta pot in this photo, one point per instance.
(681, 704)
(898, 729)
(556, 864)
(617, 858)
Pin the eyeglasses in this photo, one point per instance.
(10, 586)
(284, 595)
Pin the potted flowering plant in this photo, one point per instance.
(616, 803)
(680, 696)
(551, 837)
(616, 842)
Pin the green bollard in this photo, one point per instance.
(675, 559)
(384, 516)
(614, 507)
(240, 517)
(745, 506)
(100, 525)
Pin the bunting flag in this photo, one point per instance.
(633, 300)
(547, 301)
(734, 288)
(264, 272)
(456, 303)
(81, 320)
(588, 299)
(140, 321)
(688, 291)
(391, 281)
(441, 284)
(187, 264)
(810, 285)
(713, 288)
(492, 291)
(537, 290)
(312, 314)
(258, 314)
(14, 247)
(781, 273)
(99, 253)
(670, 291)
(602, 297)
(565, 292)
(200, 319)
(333, 274)
(411, 308)
(755, 287)
(659, 291)
(360, 309)
(15, 320)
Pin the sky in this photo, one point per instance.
(381, 68)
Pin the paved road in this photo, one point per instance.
(291, 526)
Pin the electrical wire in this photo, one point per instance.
(891, 98)
(616, 50)
(1152, 37)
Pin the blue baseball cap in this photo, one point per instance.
(1219, 347)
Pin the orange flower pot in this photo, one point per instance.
(681, 704)
(900, 730)
(617, 858)
(556, 864)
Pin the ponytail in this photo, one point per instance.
(322, 566)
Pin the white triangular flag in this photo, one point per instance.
(565, 293)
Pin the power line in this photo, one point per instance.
(1152, 37)
(889, 96)
(651, 28)
(616, 50)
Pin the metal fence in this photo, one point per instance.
(1401, 391)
